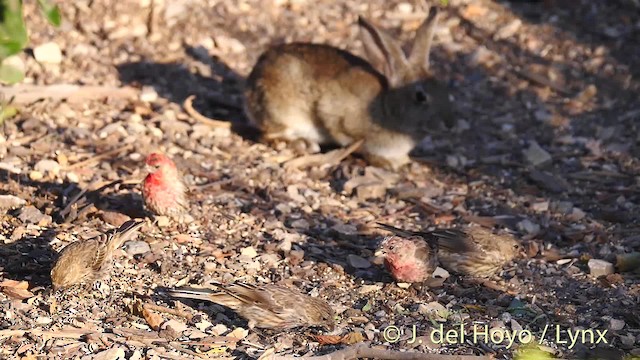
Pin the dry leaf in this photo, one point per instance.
(15, 284)
(154, 320)
(328, 339)
(17, 293)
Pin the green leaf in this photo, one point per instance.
(13, 33)
(10, 74)
(367, 306)
(51, 12)
(444, 2)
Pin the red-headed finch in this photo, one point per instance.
(89, 260)
(410, 259)
(267, 306)
(163, 189)
(475, 251)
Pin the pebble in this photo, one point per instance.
(10, 202)
(249, 252)
(148, 94)
(528, 226)
(434, 310)
(115, 353)
(136, 247)
(32, 215)
(203, 325)
(163, 221)
(175, 325)
(616, 324)
(536, 155)
(36, 175)
(43, 320)
(599, 267)
(358, 262)
(239, 333)
(300, 224)
(47, 166)
(219, 329)
(48, 53)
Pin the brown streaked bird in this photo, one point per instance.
(474, 251)
(88, 260)
(267, 306)
(410, 259)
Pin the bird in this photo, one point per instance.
(89, 260)
(268, 306)
(410, 259)
(163, 189)
(473, 251)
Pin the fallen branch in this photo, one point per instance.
(331, 158)
(188, 107)
(26, 94)
(363, 351)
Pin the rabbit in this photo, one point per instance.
(324, 95)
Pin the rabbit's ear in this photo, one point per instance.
(383, 52)
(423, 40)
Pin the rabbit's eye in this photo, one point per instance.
(421, 96)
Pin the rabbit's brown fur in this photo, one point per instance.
(322, 94)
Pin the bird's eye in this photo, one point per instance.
(516, 247)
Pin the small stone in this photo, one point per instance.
(434, 310)
(375, 190)
(239, 333)
(36, 175)
(536, 155)
(249, 252)
(115, 353)
(148, 94)
(136, 247)
(541, 206)
(403, 285)
(163, 221)
(175, 325)
(203, 325)
(365, 289)
(219, 329)
(599, 267)
(576, 215)
(72, 177)
(49, 53)
(10, 202)
(528, 226)
(358, 262)
(43, 320)
(300, 224)
(48, 166)
(627, 340)
(31, 215)
(345, 231)
(270, 259)
(405, 8)
(615, 324)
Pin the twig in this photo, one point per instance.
(176, 345)
(331, 158)
(64, 333)
(26, 94)
(363, 351)
(188, 107)
(98, 158)
(176, 312)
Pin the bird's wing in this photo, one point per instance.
(452, 240)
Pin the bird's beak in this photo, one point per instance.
(380, 253)
(148, 168)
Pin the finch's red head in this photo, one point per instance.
(158, 160)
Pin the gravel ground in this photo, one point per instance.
(546, 147)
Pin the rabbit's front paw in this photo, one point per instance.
(393, 164)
